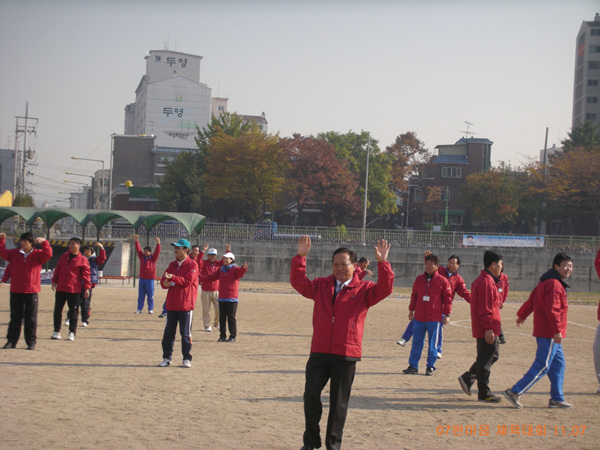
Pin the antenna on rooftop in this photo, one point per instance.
(468, 134)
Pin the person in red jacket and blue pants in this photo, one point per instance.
(25, 272)
(548, 302)
(147, 274)
(341, 302)
(181, 280)
(71, 275)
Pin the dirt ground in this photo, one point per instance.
(104, 390)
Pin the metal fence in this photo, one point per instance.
(67, 228)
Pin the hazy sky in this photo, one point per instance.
(387, 67)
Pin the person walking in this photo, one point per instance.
(85, 304)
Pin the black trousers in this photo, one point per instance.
(22, 306)
(72, 300)
(85, 305)
(227, 311)
(320, 368)
(487, 355)
(184, 319)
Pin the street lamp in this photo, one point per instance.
(103, 181)
(364, 227)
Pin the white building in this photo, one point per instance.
(170, 100)
(586, 92)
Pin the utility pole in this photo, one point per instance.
(24, 128)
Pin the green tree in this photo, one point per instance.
(584, 136)
(247, 168)
(23, 200)
(179, 187)
(409, 157)
(492, 198)
(352, 148)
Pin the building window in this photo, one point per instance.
(593, 65)
(451, 172)
(592, 82)
(591, 100)
(594, 48)
(221, 108)
(157, 58)
(595, 32)
(591, 117)
(418, 195)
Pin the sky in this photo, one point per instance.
(382, 66)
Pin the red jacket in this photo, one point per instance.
(456, 283)
(147, 263)
(71, 274)
(504, 285)
(361, 273)
(548, 301)
(183, 287)
(229, 280)
(338, 327)
(485, 305)
(206, 267)
(26, 272)
(438, 290)
(597, 265)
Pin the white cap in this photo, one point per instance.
(212, 251)
(229, 255)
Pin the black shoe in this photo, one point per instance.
(429, 371)
(231, 339)
(490, 399)
(307, 447)
(30, 346)
(9, 345)
(411, 370)
(502, 339)
(465, 387)
(162, 315)
(221, 339)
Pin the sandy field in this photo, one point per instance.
(104, 390)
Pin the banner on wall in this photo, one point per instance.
(474, 240)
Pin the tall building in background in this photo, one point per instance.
(586, 92)
(170, 101)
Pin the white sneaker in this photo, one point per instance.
(67, 322)
(151, 311)
(71, 336)
(187, 363)
(165, 362)
(208, 329)
(55, 335)
(84, 324)
(439, 355)
(138, 312)
(401, 342)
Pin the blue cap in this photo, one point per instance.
(182, 243)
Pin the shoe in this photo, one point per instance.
(465, 387)
(490, 399)
(151, 311)
(71, 336)
(231, 339)
(9, 345)
(84, 324)
(439, 355)
(410, 370)
(162, 315)
(187, 363)
(429, 371)
(30, 346)
(67, 322)
(221, 339)
(217, 327)
(138, 312)
(165, 362)
(208, 329)
(307, 447)
(55, 335)
(559, 404)
(401, 342)
(513, 398)
(502, 339)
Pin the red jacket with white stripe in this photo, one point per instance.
(25, 272)
(548, 302)
(338, 326)
(70, 274)
(439, 292)
(183, 287)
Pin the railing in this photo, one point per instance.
(65, 228)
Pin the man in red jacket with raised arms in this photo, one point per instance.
(341, 302)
